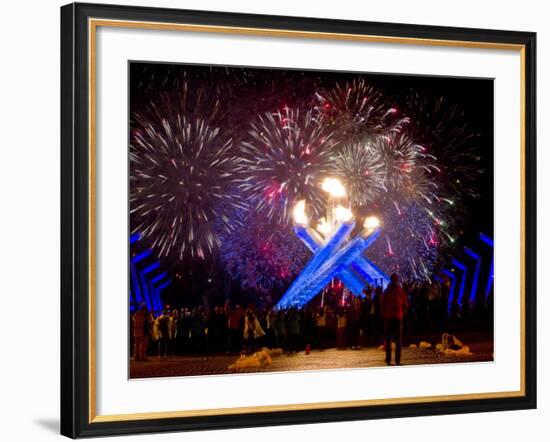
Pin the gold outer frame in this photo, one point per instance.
(94, 23)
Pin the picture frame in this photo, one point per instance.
(79, 175)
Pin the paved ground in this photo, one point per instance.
(316, 360)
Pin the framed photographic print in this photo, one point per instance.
(279, 220)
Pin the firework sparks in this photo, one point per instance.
(360, 169)
(407, 243)
(284, 159)
(355, 110)
(182, 182)
(442, 128)
(398, 156)
(264, 255)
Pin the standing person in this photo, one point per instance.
(341, 326)
(394, 307)
(354, 324)
(163, 331)
(173, 330)
(139, 332)
(235, 327)
(366, 315)
(321, 328)
(252, 331)
(151, 331)
(270, 330)
(197, 332)
(280, 330)
(221, 321)
(292, 329)
(308, 321)
(211, 332)
(262, 319)
(182, 333)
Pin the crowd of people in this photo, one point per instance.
(379, 316)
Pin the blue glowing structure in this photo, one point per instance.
(141, 256)
(330, 260)
(475, 281)
(159, 277)
(490, 279)
(452, 277)
(151, 267)
(314, 242)
(153, 302)
(146, 284)
(135, 237)
(317, 259)
(135, 283)
(464, 271)
(360, 272)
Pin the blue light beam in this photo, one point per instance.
(151, 267)
(135, 237)
(305, 287)
(342, 232)
(491, 277)
(141, 256)
(361, 265)
(341, 259)
(313, 242)
(452, 277)
(159, 277)
(477, 258)
(464, 271)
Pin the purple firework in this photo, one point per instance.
(285, 157)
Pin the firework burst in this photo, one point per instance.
(359, 167)
(182, 182)
(264, 255)
(394, 178)
(285, 157)
(409, 241)
(402, 159)
(355, 111)
(442, 128)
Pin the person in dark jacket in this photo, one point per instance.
(163, 330)
(292, 327)
(394, 307)
(280, 330)
(197, 328)
(235, 326)
(139, 332)
(354, 324)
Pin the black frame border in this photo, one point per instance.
(75, 220)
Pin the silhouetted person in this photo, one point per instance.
(235, 326)
(394, 307)
(280, 330)
(354, 324)
(341, 327)
(163, 330)
(139, 331)
(321, 328)
(292, 327)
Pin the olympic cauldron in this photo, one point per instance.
(335, 253)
